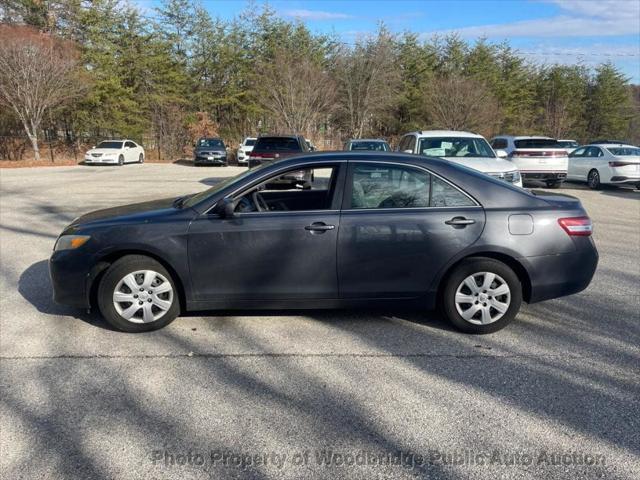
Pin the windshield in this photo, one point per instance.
(116, 145)
(250, 142)
(277, 143)
(455, 147)
(370, 145)
(537, 143)
(218, 187)
(210, 142)
(624, 151)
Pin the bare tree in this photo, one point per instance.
(37, 73)
(457, 103)
(296, 90)
(368, 81)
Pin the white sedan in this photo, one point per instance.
(115, 152)
(598, 164)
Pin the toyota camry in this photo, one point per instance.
(362, 229)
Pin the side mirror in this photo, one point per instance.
(93, 146)
(501, 154)
(226, 208)
(407, 151)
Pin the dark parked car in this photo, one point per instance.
(270, 148)
(373, 229)
(210, 151)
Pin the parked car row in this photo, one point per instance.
(514, 159)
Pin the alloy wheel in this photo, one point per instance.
(143, 296)
(482, 298)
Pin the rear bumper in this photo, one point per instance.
(554, 276)
(543, 175)
(625, 179)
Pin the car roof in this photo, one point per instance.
(488, 191)
(524, 137)
(381, 140)
(606, 145)
(446, 133)
(267, 135)
(567, 140)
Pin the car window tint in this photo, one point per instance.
(578, 153)
(499, 143)
(277, 143)
(537, 143)
(387, 186)
(624, 151)
(446, 195)
(295, 190)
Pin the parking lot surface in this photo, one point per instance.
(308, 394)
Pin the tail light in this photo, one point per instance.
(620, 164)
(263, 155)
(577, 226)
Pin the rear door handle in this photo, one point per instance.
(460, 222)
(319, 227)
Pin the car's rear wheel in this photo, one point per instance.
(481, 295)
(137, 294)
(554, 183)
(593, 180)
(121, 160)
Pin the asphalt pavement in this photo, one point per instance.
(308, 394)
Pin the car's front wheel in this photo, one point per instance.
(121, 160)
(141, 158)
(481, 295)
(137, 294)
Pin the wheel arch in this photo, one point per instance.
(515, 265)
(107, 260)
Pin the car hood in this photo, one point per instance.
(104, 151)
(137, 212)
(484, 164)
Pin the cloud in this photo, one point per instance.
(315, 15)
(579, 18)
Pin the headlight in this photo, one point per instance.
(70, 242)
(516, 177)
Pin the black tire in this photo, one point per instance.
(121, 160)
(637, 186)
(141, 158)
(554, 183)
(109, 282)
(593, 180)
(459, 274)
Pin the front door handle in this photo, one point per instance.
(460, 222)
(319, 227)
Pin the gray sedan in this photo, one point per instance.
(370, 229)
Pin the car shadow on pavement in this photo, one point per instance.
(35, 287)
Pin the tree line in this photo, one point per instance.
(78, 70)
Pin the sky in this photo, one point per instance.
(544, 31)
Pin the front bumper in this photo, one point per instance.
(100, 161)
(71, 279)
(199, 160)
